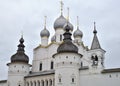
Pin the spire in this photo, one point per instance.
(45, 22)
(95, 31)
(95, 42)
(21, 45)
(61, 8)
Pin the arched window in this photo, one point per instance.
(52, 65)
(95, 60)
(40, 68)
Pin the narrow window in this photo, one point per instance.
(59, 79)
(40, 67)
(81, 64)
(60, 37)
(73, 80)
(52, 65)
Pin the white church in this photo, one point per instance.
(65, 61)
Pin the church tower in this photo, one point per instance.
(18, 67)
(96, 53)
(67, 59)
(59, 24)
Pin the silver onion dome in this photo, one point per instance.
(59, 22)
(45, 32)
(78, 33)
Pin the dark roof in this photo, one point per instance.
(20, 56)
(95, 42)
(67, 45)
(3, 81)
(84, 68)
(111, 70)
(41, 73)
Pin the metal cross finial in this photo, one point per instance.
(61, 2)
(95, 31)
(45, 22)
(77, 22)
(21, 34)
(68, 14)
(94, 25)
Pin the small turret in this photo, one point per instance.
(20, 56)
(78, 34)
(44, 35)
(18, 67)
(96, 52)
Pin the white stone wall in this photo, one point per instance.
(98, 79)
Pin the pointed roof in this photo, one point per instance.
(20, 56)
(95, 42)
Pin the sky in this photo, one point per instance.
(27, 16)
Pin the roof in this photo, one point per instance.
(84, 68)
(3, 81)
(111, 70)
(41, 73)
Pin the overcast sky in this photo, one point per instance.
(28, 16)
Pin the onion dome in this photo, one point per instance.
(70, 25)
(45, 33)
(59, 22)
(78, 33)
(20, 56)
(53, 39)
(67, 45)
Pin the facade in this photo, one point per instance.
(62, 62)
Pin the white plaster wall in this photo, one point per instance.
(44, 41)
(67, 65)
(97, 79)
(44, 56)
(16, 73)
(59, 32)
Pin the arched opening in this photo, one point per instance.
(38, 83)
(27, 83)
(95, 60)
(42, 83)
(50, 82)
(34, 83)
